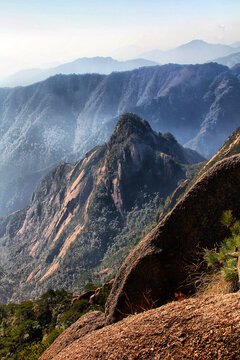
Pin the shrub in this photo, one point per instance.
(78, 309)
(32, 352)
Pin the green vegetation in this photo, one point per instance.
(140, 220)
(29, 328)
(226, 260)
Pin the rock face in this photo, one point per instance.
(86, 324)
(59, 119)
(205, 328)
(82, 214)
(154, 270)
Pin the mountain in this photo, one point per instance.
(153, 274)
(229, 60)
(59, 119)
(225, 94)
(194, 52)
(84, 213)
(99, 65)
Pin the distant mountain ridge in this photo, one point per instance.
(229, 60)
(62, 117)
(98, 65)
(82, 214)
(194, 52)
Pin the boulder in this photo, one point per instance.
(85, 324)
(204, 328)
(156, 268)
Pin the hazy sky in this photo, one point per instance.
(40, 32)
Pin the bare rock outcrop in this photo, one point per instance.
(153, 271)
(202, 328)
(87, 323)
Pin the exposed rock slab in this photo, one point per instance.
(87, 323)
(152, 272)
(201, 328)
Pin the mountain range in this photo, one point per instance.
(82, 215)
(59, 119)
(194, 52)
(98, 65)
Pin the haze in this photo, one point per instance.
(41, 34)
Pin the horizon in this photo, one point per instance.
(47, 34)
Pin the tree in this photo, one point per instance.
(227, 258)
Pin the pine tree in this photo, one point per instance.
(227, 258)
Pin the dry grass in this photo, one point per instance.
(213, 284)
(204, 281)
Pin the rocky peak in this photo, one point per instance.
(133, 135)
(128, 125)
(137, 156)
(79, 211)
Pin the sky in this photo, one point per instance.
(45, 33)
